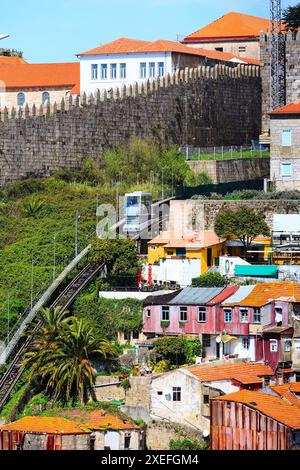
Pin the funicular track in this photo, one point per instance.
(19, 343)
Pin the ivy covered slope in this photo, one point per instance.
(32, 213)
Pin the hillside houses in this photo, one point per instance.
(258, 322)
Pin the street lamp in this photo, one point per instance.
(77, 217)
(162, 183)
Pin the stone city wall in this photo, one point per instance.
(205, 106)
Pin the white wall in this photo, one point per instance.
(188, 410)
(132, 69)
(236, 347)
(232, 261)
(177, 270)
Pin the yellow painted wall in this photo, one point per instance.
(162, 253)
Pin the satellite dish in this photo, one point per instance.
(218, 339)
(205, 434)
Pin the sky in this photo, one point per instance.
(55, 30)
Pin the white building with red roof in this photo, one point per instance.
(126, 61)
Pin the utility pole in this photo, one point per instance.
(77, 217)
(31, 286)
(54, 257)
(277, 56)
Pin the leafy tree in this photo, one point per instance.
(119, 255)
(244, 224)
(291, 17)
(197, 179)
(210, 279)
(110, 316)
(141, 159)
(177, 350)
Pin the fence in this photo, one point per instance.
(225, 152)
(220, 188)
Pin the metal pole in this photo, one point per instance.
(76, 233)
(8, 315)
(31, 287)
(162, 184)
(54, 257)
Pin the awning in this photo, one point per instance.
(227, 338)
(256, 270)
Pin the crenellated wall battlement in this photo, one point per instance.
(146, 88)
(206, 106)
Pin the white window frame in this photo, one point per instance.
(123, 71)
(287, 345)
(161, 69)
(19, 95)
(273, 345)
(94, 71)
(202, 310)
(183, 309)
(113, 71)
(103, 69)
(285, 165)
(143, 70)
(152, 69)
(256, 315)
(243, 310)
(148, 312)
(228, 311)
(286, 137)
(165, 309)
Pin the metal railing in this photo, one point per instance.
(232, 152)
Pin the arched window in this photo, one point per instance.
(45, 97)
(21, 99)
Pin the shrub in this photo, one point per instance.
(186, 444)
(210, 279)
(197, 179)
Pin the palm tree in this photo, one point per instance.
(64, 367)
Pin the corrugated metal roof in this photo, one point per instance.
(161, 299)
(196, 295)
(240, 295)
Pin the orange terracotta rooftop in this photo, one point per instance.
(263, 294)
(271, 406)
(243, 372)
(231, 25)
(288, 392)
(130, 46)
(98, 419)
(198, 241)
(291, 108)
(42, 424)
(16, 76)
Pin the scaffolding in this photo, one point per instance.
(277, 56)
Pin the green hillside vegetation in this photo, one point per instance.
(37, 217)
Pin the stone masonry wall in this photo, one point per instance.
(207, 106)
(292, 72)
(189, 215)
(238, 169)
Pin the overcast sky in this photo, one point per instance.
(55, 30)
